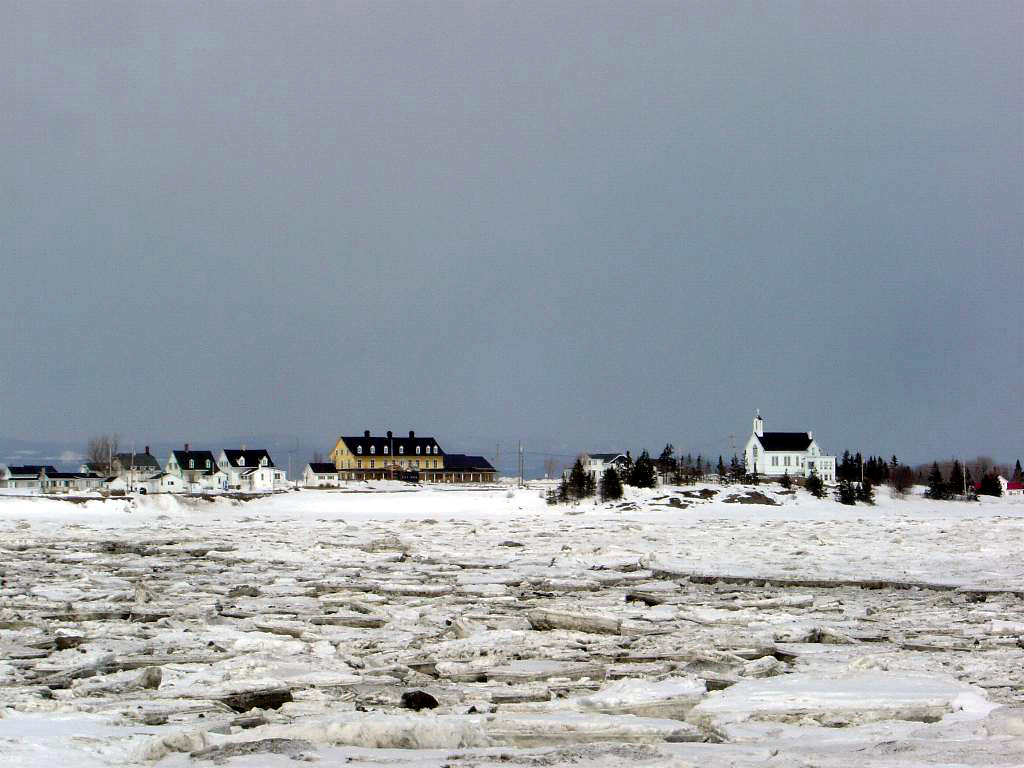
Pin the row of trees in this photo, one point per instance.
(580, 484)
(856, 477)
(959, 483)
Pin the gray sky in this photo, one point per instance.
(588, 225)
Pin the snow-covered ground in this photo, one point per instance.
(682, 626)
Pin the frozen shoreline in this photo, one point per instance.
(347, 600)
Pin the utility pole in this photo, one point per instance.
(520, 463)
(497, 457)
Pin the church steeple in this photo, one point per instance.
(758, 424)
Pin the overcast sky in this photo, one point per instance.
(587, 225)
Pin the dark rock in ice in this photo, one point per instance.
(418, 700)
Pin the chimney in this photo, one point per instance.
(810, 435)
(186, 447)
(147, 450)
(366, 433)
(389, 434)
(411, 433)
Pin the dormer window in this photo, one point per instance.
(417, 450)
(191, 463)
(401, 449)
(359, 449)
(241, 461)
(385, 449)
(373, 449)
(207, 463)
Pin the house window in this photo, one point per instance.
(787, 460)
(359, 463)
(373, 463)
(775, 461)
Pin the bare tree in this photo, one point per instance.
(318, 458)
(101, 451)
(901, 480)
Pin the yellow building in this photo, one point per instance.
(377, 458)
(365, 456)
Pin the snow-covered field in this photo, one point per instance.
(680, 627)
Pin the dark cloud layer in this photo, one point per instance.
(583, 224)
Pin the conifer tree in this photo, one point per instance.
(1018, 473)
(815, 486)
(866, 492)
(845, 492)
(643, 475)
(990, 485)
(611, 485)
(723, 479)
(627, 469)
(736, 471)
(956, 479)
(937, 488)
(580, 482)
(786, 481)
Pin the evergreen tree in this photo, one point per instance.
(956, 479)
(643, 475)
(627, 469)
(667, 461)
(866, 492)
(581, 484)
(755, 478)
(845, 470)
(562, 495)
(845, 492)
(722, 477)
(990, 485)
(736, 471)
(786, 481)
(815, 486)
(611, 485)
(937, 488)
(1018, 473)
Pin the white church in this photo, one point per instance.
(776, 453)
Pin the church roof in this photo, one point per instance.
(785, 441)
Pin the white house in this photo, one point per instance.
(251, 471)
(321, 475)
(198, 470)
(595, 464)
(161, 483)
(776, 453)
(25, 477)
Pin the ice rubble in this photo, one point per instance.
(714, 634)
